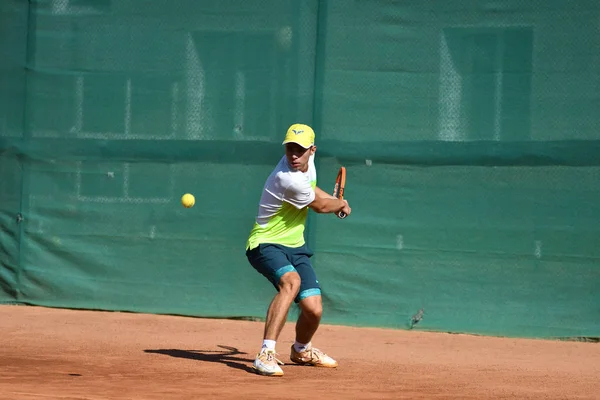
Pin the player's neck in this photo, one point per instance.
(303, 170)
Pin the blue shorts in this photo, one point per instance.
(274, 260)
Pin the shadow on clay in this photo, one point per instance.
(228, 356)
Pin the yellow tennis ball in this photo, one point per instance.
(188, 200)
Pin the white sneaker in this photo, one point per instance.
(312, 356)
(267, 364)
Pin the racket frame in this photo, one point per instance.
(339, 187)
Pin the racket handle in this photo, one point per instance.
(341, 215)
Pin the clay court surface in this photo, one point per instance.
(68, 354)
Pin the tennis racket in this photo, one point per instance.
(338, 189)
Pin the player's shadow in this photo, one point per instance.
(228, 356)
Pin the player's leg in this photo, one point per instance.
(288, 286)
(311, 309)
(272, 262)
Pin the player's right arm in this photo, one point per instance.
(323, 193)
(325, 203)
(301, 194)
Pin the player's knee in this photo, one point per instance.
(314, 314)
(290, 283)
(312, 308)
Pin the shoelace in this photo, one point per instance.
(270, 356)
(316, 354)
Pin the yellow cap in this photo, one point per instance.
(301, 134)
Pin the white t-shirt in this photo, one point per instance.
(283, 205)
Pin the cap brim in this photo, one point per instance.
(298, 143)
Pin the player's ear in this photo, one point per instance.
(313, 149)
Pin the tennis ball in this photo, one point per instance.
(188, 200)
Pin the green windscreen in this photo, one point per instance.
(470, 132)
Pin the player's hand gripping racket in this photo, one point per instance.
(338, 189)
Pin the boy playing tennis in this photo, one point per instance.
(276, 249)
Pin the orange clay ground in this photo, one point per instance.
(66, 354)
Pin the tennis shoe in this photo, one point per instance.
(312, 356)
(267, 364)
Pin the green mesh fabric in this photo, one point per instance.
(470, 131)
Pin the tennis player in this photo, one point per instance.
(276, 248)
